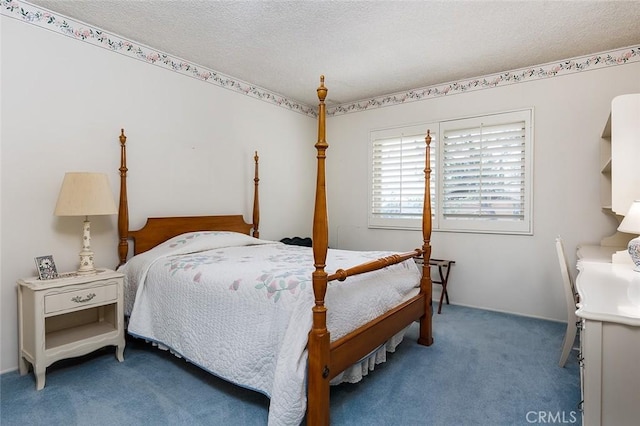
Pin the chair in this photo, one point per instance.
(571, 298)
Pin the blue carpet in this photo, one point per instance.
(485, 368)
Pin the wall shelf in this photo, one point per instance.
(619, 154)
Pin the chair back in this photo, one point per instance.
(569, 288)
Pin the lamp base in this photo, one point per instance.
(634, 251)
(86, 255)
(86, 264)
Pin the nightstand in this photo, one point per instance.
(69, 317)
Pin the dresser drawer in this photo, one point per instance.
(97, 295)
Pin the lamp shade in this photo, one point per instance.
(85, 194)
(631, 222)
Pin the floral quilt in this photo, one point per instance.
(240, 307)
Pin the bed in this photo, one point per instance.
(285, 320)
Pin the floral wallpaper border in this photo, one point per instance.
(47, 19)
(44, 18)
(537, 72)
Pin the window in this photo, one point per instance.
(480, 180)
(397, 176)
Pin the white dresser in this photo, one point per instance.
(609, 310)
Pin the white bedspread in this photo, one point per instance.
(240, 307)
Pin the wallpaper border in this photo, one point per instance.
(44, 18)
(594, 61)
(47, 19)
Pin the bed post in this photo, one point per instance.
(256, 199)
(123, 211)
(318, 345)
(426, 332)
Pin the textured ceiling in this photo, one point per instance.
(365, 48)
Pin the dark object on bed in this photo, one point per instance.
(297, 241)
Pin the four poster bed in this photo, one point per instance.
(259, 313)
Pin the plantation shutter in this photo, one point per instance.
(397, 175)
(483, 172)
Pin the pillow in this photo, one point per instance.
(193, 242)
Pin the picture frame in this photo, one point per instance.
(46, 267)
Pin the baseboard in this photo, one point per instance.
(509, 312)
(8, 370)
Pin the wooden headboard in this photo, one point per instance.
(159, 229)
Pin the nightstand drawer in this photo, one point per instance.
(87, 296)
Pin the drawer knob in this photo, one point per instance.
(79, 299)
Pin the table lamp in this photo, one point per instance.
(631, 224)
(85, 194)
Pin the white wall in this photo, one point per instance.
(190, 151)
(518, 274)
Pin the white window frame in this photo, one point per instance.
(440, 222)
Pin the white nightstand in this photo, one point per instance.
(69, 317)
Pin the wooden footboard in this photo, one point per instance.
(326, 359)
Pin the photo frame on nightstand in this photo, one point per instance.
(46, 267)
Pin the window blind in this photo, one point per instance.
(481, 178)
(398, 164)
(483, 172)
